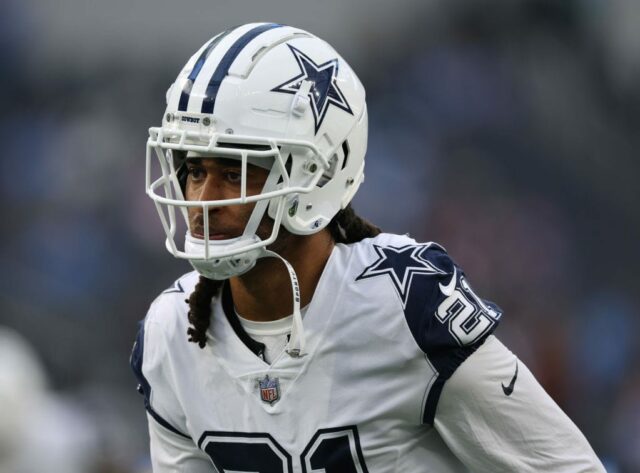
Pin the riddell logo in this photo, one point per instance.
(190, 119)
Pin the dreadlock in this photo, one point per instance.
(199, 309)
(345, 227)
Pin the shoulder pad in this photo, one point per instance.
(446, 318)
(185, 284)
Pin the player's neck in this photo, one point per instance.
(265, 292)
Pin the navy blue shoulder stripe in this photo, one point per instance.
(143, 384)
(176, 288)
(455, 359)
(186, 90)
(225, 64)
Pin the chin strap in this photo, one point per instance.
(296, 345)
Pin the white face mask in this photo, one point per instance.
(278, 198)
(265, 162)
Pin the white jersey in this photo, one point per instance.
(390, 322)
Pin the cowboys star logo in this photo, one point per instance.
(401, 265)
(325, 90)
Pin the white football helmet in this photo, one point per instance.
(269, 95)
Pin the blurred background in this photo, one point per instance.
(508, 131)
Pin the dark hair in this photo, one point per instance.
(345, 227)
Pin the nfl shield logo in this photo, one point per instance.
(269, 389)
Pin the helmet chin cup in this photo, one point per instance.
(222, 267)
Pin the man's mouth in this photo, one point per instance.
(214, 234)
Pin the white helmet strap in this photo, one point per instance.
(296, 347)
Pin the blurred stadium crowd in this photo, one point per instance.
(507, 131)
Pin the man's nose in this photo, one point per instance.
(211, 189)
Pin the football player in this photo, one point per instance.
(306, 339)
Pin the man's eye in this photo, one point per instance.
(196, 173)
(233, 176)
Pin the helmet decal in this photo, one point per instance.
(224, 65)
(325, 90)
(222, 69)
(186, 90)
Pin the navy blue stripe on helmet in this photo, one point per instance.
(222, 70)
(186, 89)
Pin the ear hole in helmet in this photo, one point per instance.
(340, 157)
(287, 167)
(345, 150)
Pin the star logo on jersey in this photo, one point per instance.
(401, 265)
(324, 91)
(269, 389)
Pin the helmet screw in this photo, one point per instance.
(309, 207)
(229, 131)
(206, 121)
(310, 166)
(169, 117)
(350, 181)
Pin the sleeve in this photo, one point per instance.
(447, 319)
(172, 453)
(147, 366)
(495, 417)
(172, 450)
